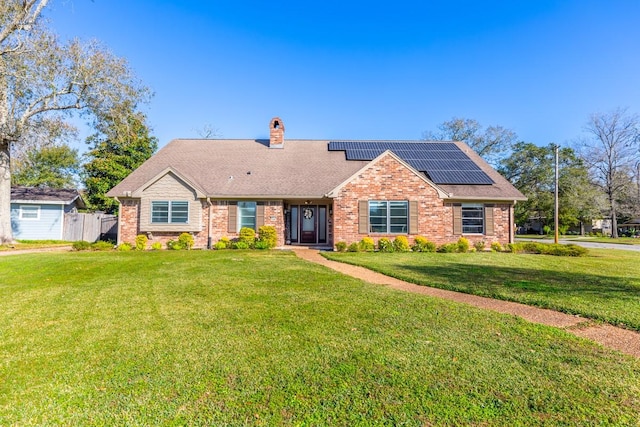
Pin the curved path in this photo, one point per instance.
(623, 340)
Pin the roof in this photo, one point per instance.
(46, 196)
(248, 168)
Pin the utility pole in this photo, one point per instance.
(555, 214)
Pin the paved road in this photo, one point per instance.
(593, 245)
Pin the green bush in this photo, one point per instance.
(341, 246)
(385, 245)
(125, 247)
(101, 245)
(248, 236)
(268, 236)
(81, 245)
(220, 245)
(141, 242)
(547, 249)
(174, 245)
(401, 244)
(262, 245)
(496, 247)
(479, 246)
(448, 248)
(367, 244)
(463, 245)
(421, 244)
(156, 246)
(354, 247)
(186, 241)
(240, 245)
(226, 242)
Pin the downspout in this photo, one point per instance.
(209, 238)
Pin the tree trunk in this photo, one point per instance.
(614, 220)
(6, 236)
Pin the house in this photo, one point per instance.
(38, 213)
(316, 192)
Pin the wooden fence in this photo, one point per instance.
(90, 227)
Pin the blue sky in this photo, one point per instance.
(370, 70)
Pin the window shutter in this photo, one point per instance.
(259, 215)
(413, 217)
(488, 220)
(363, 217)
(457, 219)
(233, 219)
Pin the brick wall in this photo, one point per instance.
(390, 180)
(273, 215)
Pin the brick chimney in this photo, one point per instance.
(276, 133)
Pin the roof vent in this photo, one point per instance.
(276, 133)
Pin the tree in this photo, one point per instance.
(119, 147)
(55, 167)
(491, 143)
(530, 168)
(42, 81)
(610, 151)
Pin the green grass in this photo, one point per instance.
(594, 239)
(603, 286)
(263, 338)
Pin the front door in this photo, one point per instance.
(308, 221)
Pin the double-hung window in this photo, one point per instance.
(169, 212)
(246, 215)
(472, 219)
(388, 217)
(29, 212)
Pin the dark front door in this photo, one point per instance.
(308, 221)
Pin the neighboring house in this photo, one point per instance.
(38, 213)
(316, 192)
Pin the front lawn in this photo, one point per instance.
(603, 286)
(263, 338)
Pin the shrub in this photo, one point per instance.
(479, 245)
(546, 229)
(367, 244)
(247, 236)
(401, 244)
(341, 246)
(463, 245)
(186, 241)
(421, 244)
(81, 245)
(125, 247)
(268, 236)
(220, 245)
(156, 246)
(174, 245)
(261, 244)
(448, 248)
(496, 247)
(385, 245)
(141, 242)
(240, 245)
(354, 247)
(226, 242)
(102, 246)
(547, 249)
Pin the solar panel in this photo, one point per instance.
(442, 162)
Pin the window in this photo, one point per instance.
(30, 212)
(246, 215)
(173, 212)
(388, 217)
(472, 219)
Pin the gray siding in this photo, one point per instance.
(170, 188)
(47, 227)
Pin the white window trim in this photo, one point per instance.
(239, 215)
(22, 212)
(388, 202)
(169, 221)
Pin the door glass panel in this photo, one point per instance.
(322, 224)
(308, 219)
(294, 223)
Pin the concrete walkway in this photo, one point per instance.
(613, 337)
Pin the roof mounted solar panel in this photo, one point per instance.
(442, 162)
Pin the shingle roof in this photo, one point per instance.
(37, 194)
(246, 168)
